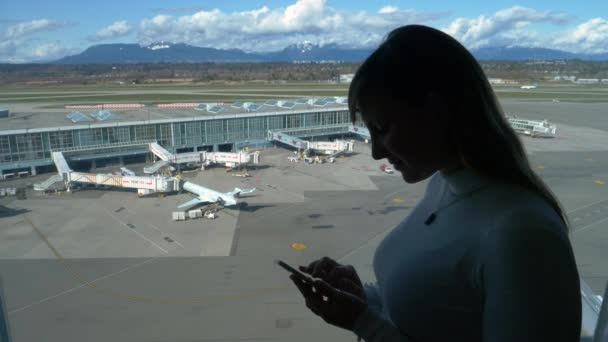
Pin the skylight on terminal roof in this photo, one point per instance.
(78, 117)
(286, 104)
(104, 115)
(215, 109)
(250, 106)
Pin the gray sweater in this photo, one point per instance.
(493, 264)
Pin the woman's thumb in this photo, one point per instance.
(350, 286)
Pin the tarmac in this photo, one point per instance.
(104, 265)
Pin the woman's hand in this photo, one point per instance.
(336, 307)
(342, 277)
(320, 268)
(339, 297)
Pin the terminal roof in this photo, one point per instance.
(26, 117)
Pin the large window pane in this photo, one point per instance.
(145, 132)
(237, 129)
(5, 149)
(215, 130)
(29, 146)
(118, 134)
(61, 139)
(91, 136)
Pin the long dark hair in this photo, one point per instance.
(414, 61)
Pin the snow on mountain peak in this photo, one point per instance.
(158, 46)
(305, 46)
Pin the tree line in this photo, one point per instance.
(210, 72)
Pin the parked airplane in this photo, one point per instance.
(211, 196)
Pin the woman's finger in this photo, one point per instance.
(308, 269)
(334, 276)
(312, 307)
(324, 289)
(323, 267)
(352, 288)
(315, 298)
(305, 289)
(305, 269)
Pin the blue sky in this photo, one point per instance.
(36, 30)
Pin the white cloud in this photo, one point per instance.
(388, 9)
(115, 30)
(27, 28)
(16, 40)
(49, 51)
(590, 37)
(266, 29)
(506, 27)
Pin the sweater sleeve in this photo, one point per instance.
(373, 298)
(530, 284)
(371, 327)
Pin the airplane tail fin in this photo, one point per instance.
(190, 203)
(238, 191)
(246, 191)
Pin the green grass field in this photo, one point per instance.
(54, 96)
(566, 96)
(159, 98)
(261, 86)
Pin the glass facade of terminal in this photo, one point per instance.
(34, 149)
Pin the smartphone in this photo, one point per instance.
(293, 271)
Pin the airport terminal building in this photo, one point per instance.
(113, 134)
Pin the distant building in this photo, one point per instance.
(502, 81)
(605, 80)
(569, 78)
(588, 81)
(4, 113)
(496, 81)
(27, 144)
(346, 78)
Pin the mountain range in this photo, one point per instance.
(306, 51)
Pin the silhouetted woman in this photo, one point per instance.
(485, 255)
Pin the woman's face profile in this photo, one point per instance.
(414, 140)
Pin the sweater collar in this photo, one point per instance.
(463, 180)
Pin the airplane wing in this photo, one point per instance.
(190, 203)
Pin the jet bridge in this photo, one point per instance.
(327, 147)
(144, 185)
(288, 139)
(63, 169)
(156, 166)
(63, 173)
(202, 157)
(361, 131)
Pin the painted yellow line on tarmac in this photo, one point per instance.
(600, 182)
(540, 167)
(298, 246)
(397, 200)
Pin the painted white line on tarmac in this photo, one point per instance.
(588, 226)
(80, 286)
(163, 233)
(136, 232)
(585, 206)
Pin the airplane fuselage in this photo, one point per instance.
(208, 195)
